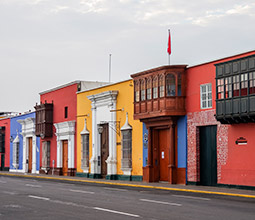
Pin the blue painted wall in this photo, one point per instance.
(145, 145)
(182, 141)
(15, 125)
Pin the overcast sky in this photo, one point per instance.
(47, 43)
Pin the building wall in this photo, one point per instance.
(124, 101)
(235, 164)
(16, 126)
(6, 123)
(182, 142)
(61, 98)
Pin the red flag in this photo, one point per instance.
(169, 44)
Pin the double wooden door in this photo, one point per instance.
(160, 154)
(104, 149)
(65, 157)
(30, 153)
(208, 155)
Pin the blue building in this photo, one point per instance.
(24, 146)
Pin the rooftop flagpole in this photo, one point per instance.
(110, 65)
(169, 46)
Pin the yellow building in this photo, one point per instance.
(109, 141)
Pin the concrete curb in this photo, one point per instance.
(131, 185)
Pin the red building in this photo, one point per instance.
(56, 125)
(5, 143)
(220, 121)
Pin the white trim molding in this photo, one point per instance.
(28, 131)
(65, 131)
(103, 108)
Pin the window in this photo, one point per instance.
(2, 139)
(236, 86)
(244, 84)
(228, 87)
(155, 87)
(15, 152)
(179, 84)
(206, 96)
(126, 161)
(161, 86)
(148, 85)
(85, 147)
(45, 154)
(220, 89)
(252, 83)
(137, 91)
(85, 150)
(143, 90)
(170, 85)
(66, 112)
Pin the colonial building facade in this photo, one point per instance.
(159, 103)
(109, 140)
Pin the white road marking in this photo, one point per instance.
(160, 202)
(116, 189)
(38, 197)
(12, 206)
(9, 193)
(192, 197)
(2, 181)
(31, 185)
(116, 212)
(81, 191)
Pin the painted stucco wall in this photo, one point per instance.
(182, 141)
(235, 164)
(16, 126)
(6, 123)
(124, 101)
(61, 98)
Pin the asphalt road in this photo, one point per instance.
(22, 198)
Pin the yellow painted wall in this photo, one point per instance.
(125, 100)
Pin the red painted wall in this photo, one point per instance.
(235, 164)
(6, 123)
(61, 98)
(240, 163)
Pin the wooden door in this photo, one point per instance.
(104, 149)
(65, 157)
(163, 155)
(208, 155)
(30, 145)
(2, 162)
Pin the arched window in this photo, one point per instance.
(179, 84)
(161, 86)
(170, 85)
(155, 87)
(148, 87)
(137, 91)
(143, 90)
(85, 148)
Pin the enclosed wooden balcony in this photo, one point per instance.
(160, 92)
(44, 120)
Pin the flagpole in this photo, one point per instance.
(110, 62)
(169, 46)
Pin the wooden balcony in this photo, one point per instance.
(44, 120)
(167, 106)
(168, 84)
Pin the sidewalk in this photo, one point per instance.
(160, 186)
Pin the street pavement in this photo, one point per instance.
(53, 197)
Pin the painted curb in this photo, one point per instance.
(132, 185)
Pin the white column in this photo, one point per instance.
(33, 154)
(94, 158)
(59, 153)
(112, 159)
(24, 165)
(71, 152)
